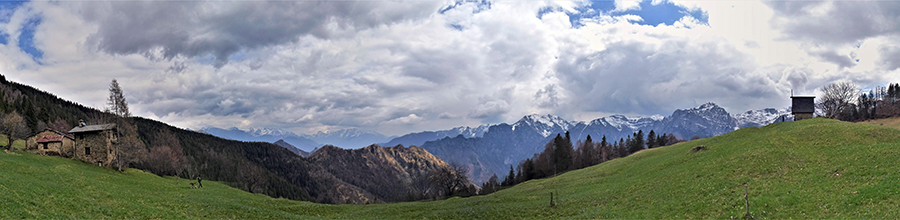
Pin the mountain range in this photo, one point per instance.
(345, 138)
(505, 145)
(491, 149)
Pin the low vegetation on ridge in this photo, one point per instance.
(816, 168)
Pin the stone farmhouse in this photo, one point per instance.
(52, 142)
(95, 144)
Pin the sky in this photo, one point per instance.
(396, 67)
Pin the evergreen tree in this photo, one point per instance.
(614, 150)
(116, 103)
(651, 139)
(586, 154)
(562, 155)
(528, 170)
(623, 149)
(662, 140)
(637, 143)
(510, 178)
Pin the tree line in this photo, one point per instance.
(560, 155)
(845, 101)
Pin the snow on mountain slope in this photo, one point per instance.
(543, 124)
(761, 117)
(349, 138)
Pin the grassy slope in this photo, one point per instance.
(17, 144)
(809, 169)
(887, 122)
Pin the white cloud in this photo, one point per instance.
(625, 5)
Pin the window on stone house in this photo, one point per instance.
(87, 151)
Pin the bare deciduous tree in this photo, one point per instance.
(167, 158)
(451, 179)
(837, 97)
(14, 127)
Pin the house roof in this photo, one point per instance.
(90, 128)
(61, 133)
(50, 138)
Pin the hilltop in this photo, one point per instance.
(816, 168)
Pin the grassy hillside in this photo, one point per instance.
(887, 122)
(814, 168)
(17, 144)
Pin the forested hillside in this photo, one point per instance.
(251, 166)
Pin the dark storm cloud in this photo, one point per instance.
(164, 30)
(844, 61)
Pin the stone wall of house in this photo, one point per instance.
(801, 116)
(100, 146)
(67, 148)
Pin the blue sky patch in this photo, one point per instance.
(665, 12)
(26, 39)
(482, 5)
(6, 10)
(456, 27)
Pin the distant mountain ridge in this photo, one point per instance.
(350, 138)
(264, 135)
(292, 148)
(504, 144)
(419, 138)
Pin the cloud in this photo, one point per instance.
(844, 61)
(409, 119)
(836, 22)
(547, 97)
(889, 57)
(165, 30)
(492, 108)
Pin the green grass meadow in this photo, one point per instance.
(17, 144)
(815, 168)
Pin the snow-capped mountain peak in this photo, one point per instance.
(349, 138)
(543, 124)
(257, 132)
(343, 133)
(709, 106)
(620, 122)
(467, 131)
(762, 117)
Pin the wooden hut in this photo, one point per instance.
(803, 107)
